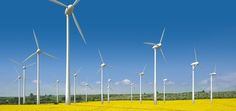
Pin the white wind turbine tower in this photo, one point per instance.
(37, 53)
(19, 84)
(86, 85)
(24, 67)
(131, 91)
(211, 75)
(102, 66)
(19, 88)
(68, 12)
(164, 90)
(108, 90)
(141, 74)
(86, 94)
(58, 82)
(75, 77)
(156, 46)
(194, 65)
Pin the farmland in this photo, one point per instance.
(177, 105)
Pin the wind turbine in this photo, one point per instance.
(86, 85)
(141, 74)
(24, 67)
(75, 77)
(68, 12)
(37, 53)
(19, 84)
(211, 75)
(156, 46)
(164, 90)
(58, 82)
(102, 66)
(108, 90)
(194, 65)
(19, 77)
(131, 91)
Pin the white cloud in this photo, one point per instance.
(204, 82)
(221, 82)
(117, 83)
(225, 82)
(98, 82)
(84, 83)
(126, 81)
(150, 83)
(34, 81)
(169, 82)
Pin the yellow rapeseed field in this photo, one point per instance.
(178, 105)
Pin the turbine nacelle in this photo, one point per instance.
(164, 80)
(131, 84)
(103, 65)
(109, 80)
(75, 75)
(23, 67)
(38, 51)
(19, 77)
(195, 64)
(212, 74)
(141, 74)
(69, 10)
(157, 46)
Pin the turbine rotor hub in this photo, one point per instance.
(103, 65)
(69, 10)
(38, 51)
(141, 74)
(157, 46)
(212, 74)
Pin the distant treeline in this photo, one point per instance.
(31, 99)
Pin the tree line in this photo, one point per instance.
(51, 99)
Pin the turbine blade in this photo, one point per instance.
(29, 57)
(111, 89)
(162, 35)
(76, 2)
(100, 55)
(78, 71)
(162, 53)
(49, 55)
(149, 43)
(58, 3)
(36, 40)
(215, 69)
(18, 72)
(195, 54)
(78, 27)
(109, 66)
(30, 65)
(15, 62)
(99, 70)
(18, 77)
(144, 68)
(90, 87)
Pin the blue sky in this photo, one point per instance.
(119, 28)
